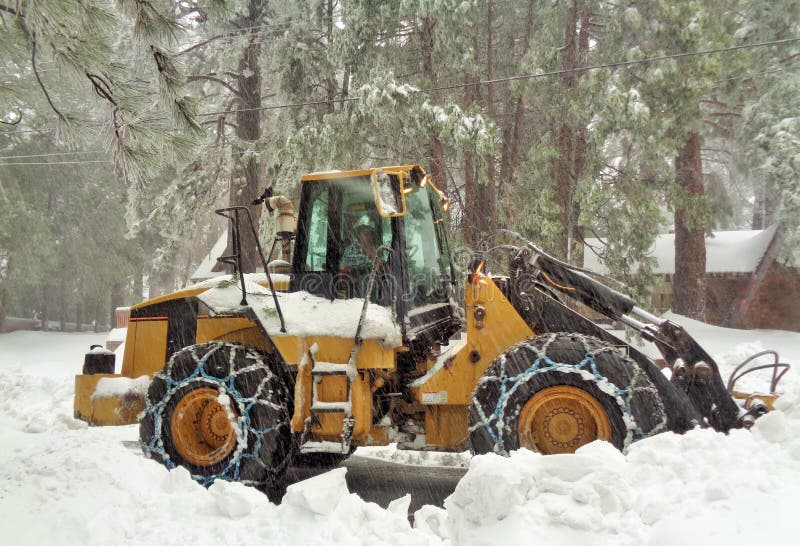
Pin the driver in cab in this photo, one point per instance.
(361, 252)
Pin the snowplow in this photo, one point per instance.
(361, 341)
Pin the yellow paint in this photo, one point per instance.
(371, 355)
(145, 348)
(401, 175)
(446, 427)
(749, 397)
(377, 436)
(185, 293)
(335, 349)
(233, 329)
(560, 419)
(502, 327)
(333, 388)
(334, 175)
(493, 326)
(105, 411)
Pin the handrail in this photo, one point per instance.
(236, 258)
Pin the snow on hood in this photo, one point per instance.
(305, 314)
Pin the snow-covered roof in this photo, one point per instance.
(726, 252)
(203, 270)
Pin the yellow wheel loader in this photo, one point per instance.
(361, 342)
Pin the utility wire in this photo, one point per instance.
(510, 78)
(57, 162)
(47, 155)
(616, 64)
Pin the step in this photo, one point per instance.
(323, 447)
(331, 407)
(329, 368)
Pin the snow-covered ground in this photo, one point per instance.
(64, 483)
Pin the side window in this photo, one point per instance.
(426, 271)
(316, 255)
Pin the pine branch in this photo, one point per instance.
(212, 77)
(61, 116)
(7, 9)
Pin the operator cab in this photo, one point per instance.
(390, 220)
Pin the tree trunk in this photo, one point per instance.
(510, 158)
(486, 192)
(62, 305)
(689, 281)
(4, 294)
(138, 285)
(435, 147)
(45, 307)
(247, 181)
(758, 208)
(570, 140)
(99, 315)
(470, 212)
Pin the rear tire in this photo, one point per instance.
(557, 392)
(221, 411)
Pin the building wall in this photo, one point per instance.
(723, 292)
(778, 303)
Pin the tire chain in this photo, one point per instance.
(242, 425)
(639, 383)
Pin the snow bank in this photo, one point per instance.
(669, 489)
(63, 483)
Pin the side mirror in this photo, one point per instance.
(389, 195)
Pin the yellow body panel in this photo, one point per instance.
(500, 328)
(147, 352)
(105, 411)
(335, 349)
(233, 329)
(371, 355)
(185, 293)
(493, 325)
(334, 389)
(447, 427)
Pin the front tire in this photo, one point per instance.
(221, 411)
(557, 392)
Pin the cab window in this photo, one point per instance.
(427, 261)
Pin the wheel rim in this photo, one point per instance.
(561, 419)
(201, 427)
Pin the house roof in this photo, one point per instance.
(203, 271)
(726, 252)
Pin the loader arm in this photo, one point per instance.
(694, 371)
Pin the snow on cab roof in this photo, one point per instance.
(726, 251)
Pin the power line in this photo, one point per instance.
(57, 162)
(616, 64)
(745, 76)
(46, 155)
